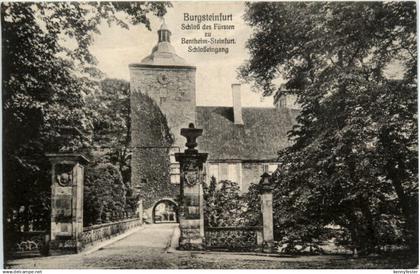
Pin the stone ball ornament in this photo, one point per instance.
(266, 184)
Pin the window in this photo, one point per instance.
(282, 102)
(175, 172)
(175, 179)
(270, 167)
(223, 171)
(233, 173)
(172, 158)
(213, 171)
(162, 100)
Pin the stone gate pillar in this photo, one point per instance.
(267, 212)
(191, 219)
(67, 176)
(139, 211)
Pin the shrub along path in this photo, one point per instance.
(146, 249)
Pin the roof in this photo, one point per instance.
(262, 135)
(163, 26)
(163, 54)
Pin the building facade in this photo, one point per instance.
(242, 143)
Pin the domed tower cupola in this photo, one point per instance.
(164, 33)
(163, 54)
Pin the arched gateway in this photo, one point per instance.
(165, 211)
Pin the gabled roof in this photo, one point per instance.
(262, 135)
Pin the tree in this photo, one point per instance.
(253, 214)
(354, 157)
(47, 71)
(104, 194)
(109, 107)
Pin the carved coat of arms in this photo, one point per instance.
(191, 177)
(64, 175)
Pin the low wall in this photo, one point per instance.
(92, 234)
(234, 238)
(26, 244)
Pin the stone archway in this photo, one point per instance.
(165, 211)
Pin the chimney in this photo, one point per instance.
(237, 105)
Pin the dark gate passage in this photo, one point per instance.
(165, 211)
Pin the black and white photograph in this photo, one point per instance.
(209, 135)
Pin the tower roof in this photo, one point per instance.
(163, 54)
(163, 26)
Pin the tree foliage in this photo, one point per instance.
(354, 159)
(224, 206)
(109, 109)
(47, 72)
(104, 197)
(253, 214)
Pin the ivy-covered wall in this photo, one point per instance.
(151, 141)
(153, 167)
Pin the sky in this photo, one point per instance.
(116, 48)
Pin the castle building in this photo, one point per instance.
(242, 142)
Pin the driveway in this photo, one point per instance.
(147, 249)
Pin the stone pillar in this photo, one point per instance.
(67, 178)
(191, 218)
(267, 212)
(139, 211)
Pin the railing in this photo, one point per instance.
(100, 232)
(233, 238)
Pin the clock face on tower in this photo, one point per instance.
(163, 78)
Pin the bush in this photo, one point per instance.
(224, 205)
(104, 195)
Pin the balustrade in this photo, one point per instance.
(100, 232)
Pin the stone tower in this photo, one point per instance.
(170, 82)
